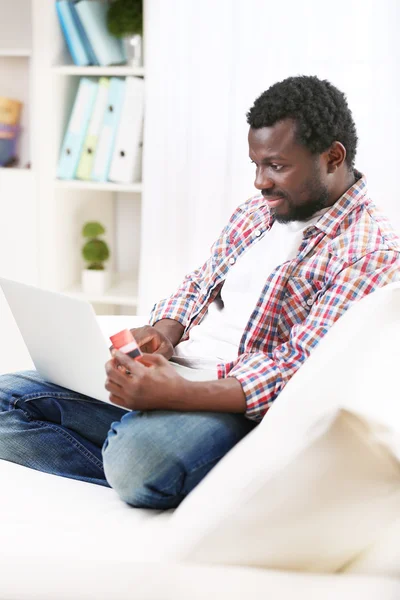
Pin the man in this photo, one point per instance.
(288, 264)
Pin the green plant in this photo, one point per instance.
(95, 251)
(125, 17)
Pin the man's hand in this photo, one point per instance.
(159, 339)
(152, 383)
(152, 341)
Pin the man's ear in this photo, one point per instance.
(335, 156)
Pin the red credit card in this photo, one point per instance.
(126, 343)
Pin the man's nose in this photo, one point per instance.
(262, 181)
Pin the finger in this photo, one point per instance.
(153, 360)
(126, 361)
(113, 387)
(150, 347)
(147, 341)
(115, 372)
(117, 400)
(111, 365)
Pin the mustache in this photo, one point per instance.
(273, 193)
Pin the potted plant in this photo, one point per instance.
(95, 251)
(125, 20)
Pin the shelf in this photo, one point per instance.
(107, 186)
(15, 53)
(4, 170)
(116, 71)
(122, 293)
(11, 177)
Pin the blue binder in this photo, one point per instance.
(82, 33)
(108, 49)
(76, 130)
(73, 40)
(106, 142)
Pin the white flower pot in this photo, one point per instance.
(95, 282)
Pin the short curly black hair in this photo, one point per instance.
(319, 109)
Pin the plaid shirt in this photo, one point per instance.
(351, 251)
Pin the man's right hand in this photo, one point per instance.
(152, 341)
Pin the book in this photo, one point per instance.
(106, 141)
(76, 129)
(96, 120)
(108, 49)
(70, 31)
(82, 34)
(128, 139)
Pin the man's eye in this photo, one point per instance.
(276, 167)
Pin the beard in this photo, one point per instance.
(318, 197)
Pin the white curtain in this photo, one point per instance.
(206, 62)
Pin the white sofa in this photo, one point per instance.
(306, 506)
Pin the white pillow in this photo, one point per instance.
(319, 480)
(383, 557)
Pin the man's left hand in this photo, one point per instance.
(147, 383)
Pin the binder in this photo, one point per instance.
(108, 49)
(106, 141)
(96, 120)
(82, 34)
(76, 129)
(126, 153)
(75, 45)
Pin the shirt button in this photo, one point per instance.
(257, 232)
(231, 260)
(310, 302)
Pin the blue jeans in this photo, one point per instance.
(152, 459)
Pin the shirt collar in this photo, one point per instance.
(332, 218)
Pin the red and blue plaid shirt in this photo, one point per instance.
(351, 251)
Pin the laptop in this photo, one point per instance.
(65, 341)
(63, 337)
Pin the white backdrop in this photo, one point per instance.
(206, 62)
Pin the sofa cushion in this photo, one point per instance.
(63, 539)
(45, 516)
(318, 480)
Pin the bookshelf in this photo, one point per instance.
(15, 53)
(65, 205)
(44, 215)
(123, 292)
(117, 71)
(133, 188)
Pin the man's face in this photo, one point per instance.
(289, 177)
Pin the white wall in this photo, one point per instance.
(355, 45)
(206, 63)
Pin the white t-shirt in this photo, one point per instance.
(216, 339)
